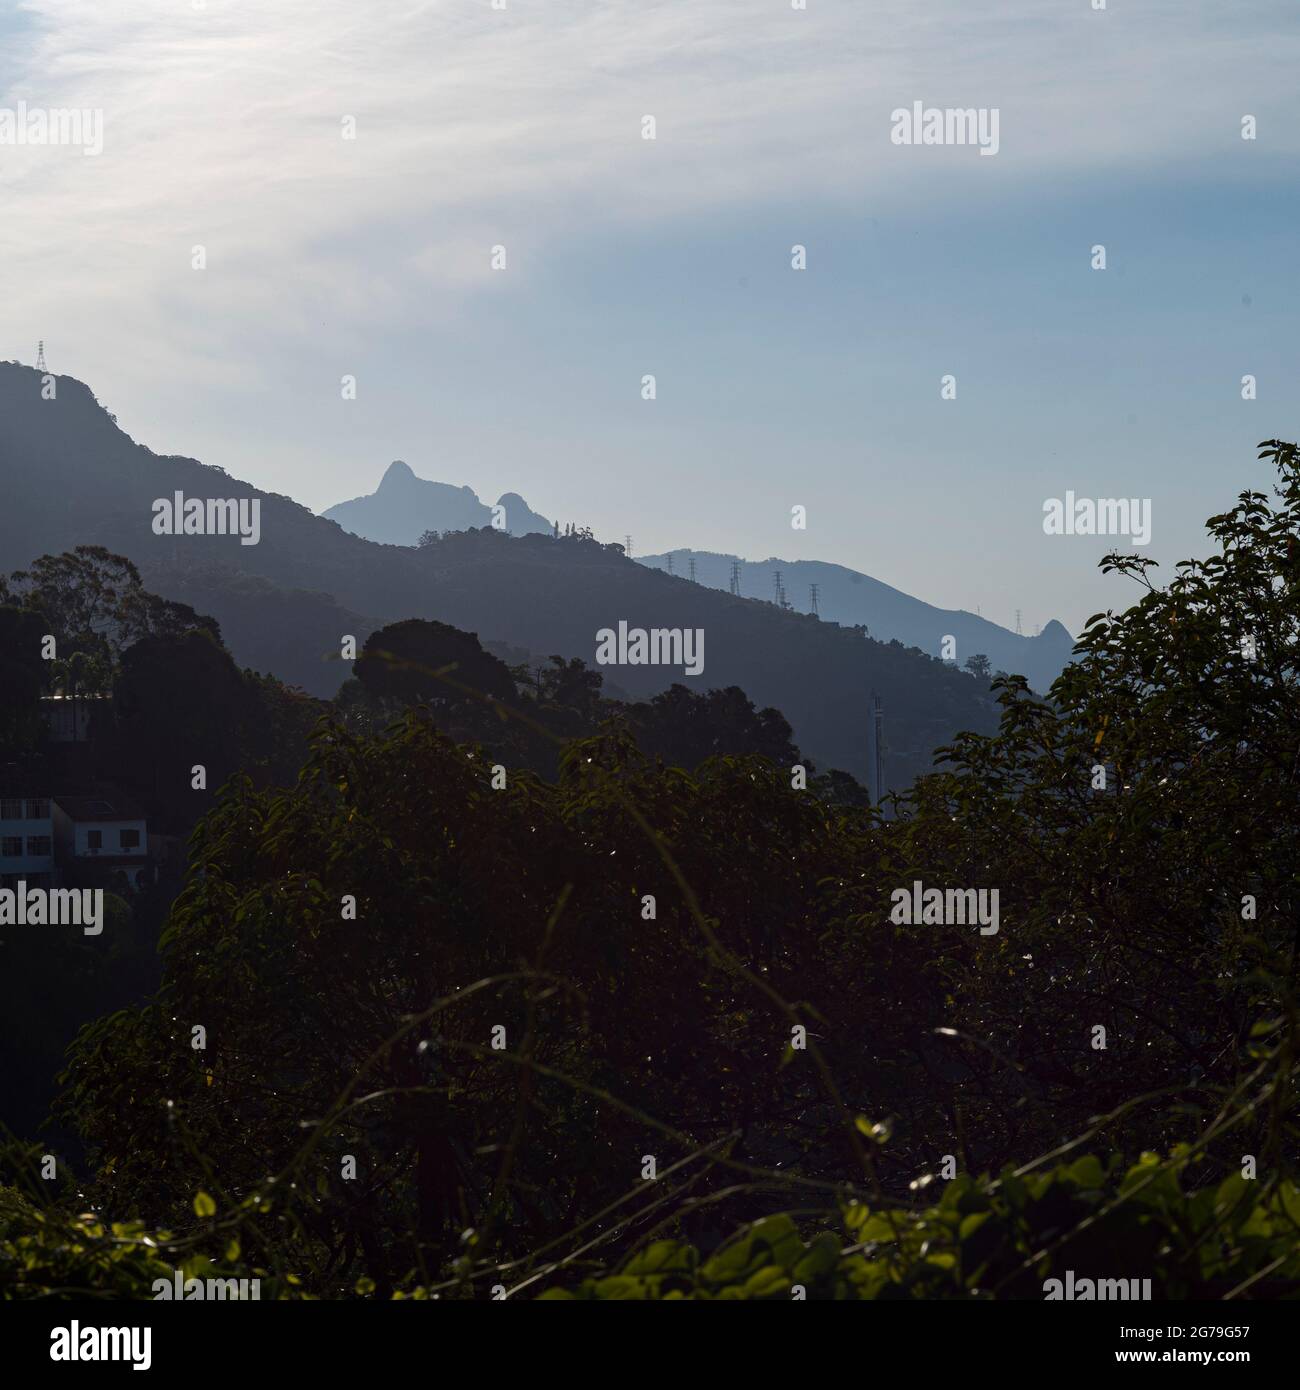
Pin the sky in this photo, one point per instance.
(326, 257)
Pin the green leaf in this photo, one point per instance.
(820, 1260)
(769, 1282)
(662, 1257)
(1087, 1171)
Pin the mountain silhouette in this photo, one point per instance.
(845, 596)
(71, 477)
(403, 507)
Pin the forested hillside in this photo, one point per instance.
(284, 604)
(467, 1027)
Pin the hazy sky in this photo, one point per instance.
(475, 127)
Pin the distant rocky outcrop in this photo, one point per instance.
(405, 506)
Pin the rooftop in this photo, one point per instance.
(93, 808)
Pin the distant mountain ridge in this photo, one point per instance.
(70, 476)
(403, 507)
(850, 598)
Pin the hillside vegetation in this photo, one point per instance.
(596, 1034)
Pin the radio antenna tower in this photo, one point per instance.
(735, 577)
(691, 563)
(627, 546)
(813, 590)
(40, 357)
(1019, 629)
(670, 562)
(780, 592)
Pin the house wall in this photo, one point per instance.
(21, 818)
(74, 837)
(74, 845)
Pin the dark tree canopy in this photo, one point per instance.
(96, 602)
(24, 675)
(685, 727)
(405, 662)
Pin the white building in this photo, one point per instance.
(107, 831)
(26, 841)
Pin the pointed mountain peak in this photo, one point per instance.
(398, 472)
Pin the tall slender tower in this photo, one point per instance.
(813, 592)
(691, 564)
(879, 714)
(627, 546)
(735, 577)
(40, 356)
(875, 749)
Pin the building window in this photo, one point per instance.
(11, 809)
(38, 844)
(38, 810)
(94, 839)
(129, 839)
(11, 846)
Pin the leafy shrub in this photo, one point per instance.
(1001, 1238)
